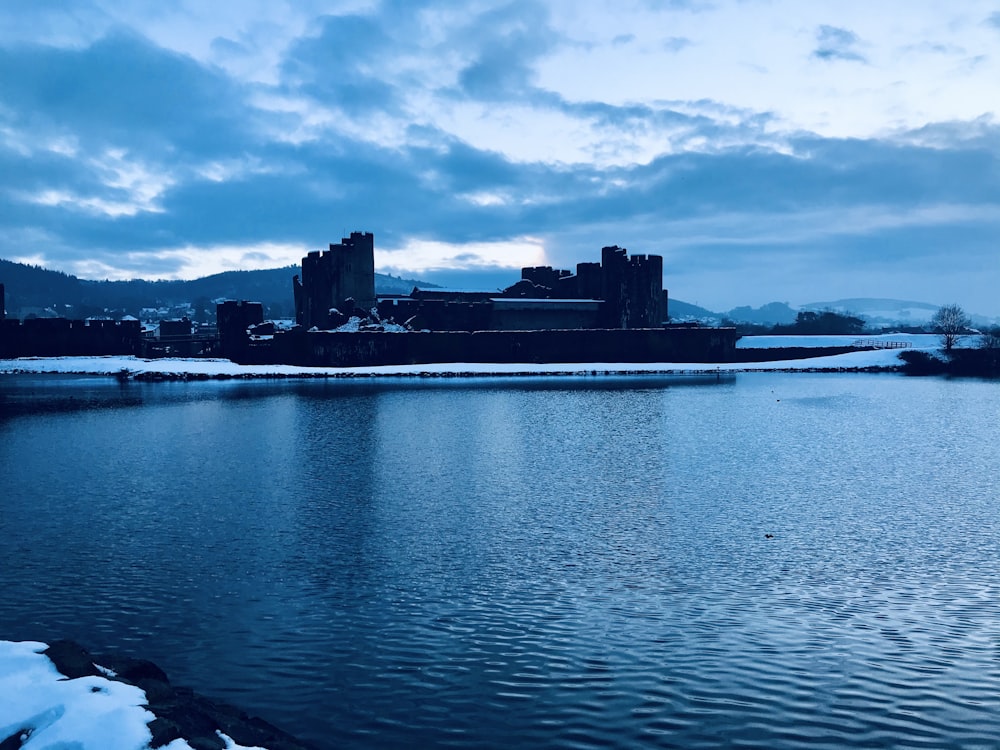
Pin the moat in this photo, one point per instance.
(769, 560)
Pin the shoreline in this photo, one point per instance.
(78, 690)
(180, 369)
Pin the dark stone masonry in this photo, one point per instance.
(60, 337)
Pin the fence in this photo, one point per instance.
(880, 344)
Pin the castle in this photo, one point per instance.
(618, 293)
(612, 311)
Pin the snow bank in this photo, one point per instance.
(47, 711)
(885, 359)
(915, 340)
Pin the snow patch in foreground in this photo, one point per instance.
(50, 712)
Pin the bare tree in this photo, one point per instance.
(991, 339)
(951, 323)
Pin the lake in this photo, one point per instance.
(758, 560)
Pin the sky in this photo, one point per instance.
(769, 150)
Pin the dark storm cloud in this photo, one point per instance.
(507, 41)
(417, 190)
(122, 90)
(98, 133)
(833, 43)
(339, 65)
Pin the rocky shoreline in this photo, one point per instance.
(180, 712)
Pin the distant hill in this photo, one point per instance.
(773, 313)
(40, 290)
(876, 311)
(879, 311)
(45, 292)
(683, 311)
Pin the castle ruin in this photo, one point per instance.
(342, 278)
(611, 311)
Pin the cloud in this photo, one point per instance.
(932, 48)
(679, 5)
(339, 65)
(507, 39)
(439, 127)
(834, 43)
(122, 92)
(676, 43)
(994, 19)
(52, 22)
(421, 256)
(189, 261)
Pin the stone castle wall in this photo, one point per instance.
(61, 337)
(354, 349)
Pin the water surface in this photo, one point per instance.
(553, 562)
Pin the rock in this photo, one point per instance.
(134, 670)
(336, 318)
(164, 732)
(196, 725)
(180, 712)
(14, 741)
(71, 659)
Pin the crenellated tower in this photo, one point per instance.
(342, 277)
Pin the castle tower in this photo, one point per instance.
(614, 286)
(233, 320)
(345, 272)
(632, 289)
(645, 290)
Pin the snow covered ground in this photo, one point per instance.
(880, 359)
(50, 712)
(915, 340)
(883, 359)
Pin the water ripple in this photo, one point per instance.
(482, 568)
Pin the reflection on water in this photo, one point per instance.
(558, 562)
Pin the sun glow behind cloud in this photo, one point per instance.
(417, 257)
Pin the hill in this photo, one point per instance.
(45, 292)
(773, 313)
(681, 312)
(40, 291)
(878, 311)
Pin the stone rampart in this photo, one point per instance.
(355, 349)
(61, 337)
